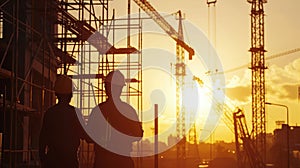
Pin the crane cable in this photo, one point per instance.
(227, 107)
(267, 58)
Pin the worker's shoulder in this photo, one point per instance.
(127, 106)
(128, 111)
(121, 105)
(51, 109)
(51, 112)
(57, 108)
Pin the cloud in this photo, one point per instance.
(240, 93)
(281, 83)
(291, 91)
(285, 91)
(239, 88)
(287, 74)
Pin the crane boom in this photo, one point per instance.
(150, 10)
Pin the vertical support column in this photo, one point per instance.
(128, 46)
(156, 136)
(180, 110)
(4, 126)
(258, 76)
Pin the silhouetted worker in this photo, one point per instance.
(114, 126)
(61, 130)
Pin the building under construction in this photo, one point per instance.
(40, 39)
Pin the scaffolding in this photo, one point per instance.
(72, 37)
(28, 70)
(92, 41)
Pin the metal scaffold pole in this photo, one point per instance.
(41, 40)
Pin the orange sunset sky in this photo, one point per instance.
(232, 42)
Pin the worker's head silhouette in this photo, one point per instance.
(114, 83)
(63, 88)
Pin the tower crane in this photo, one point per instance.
(150, 10)
(180, 110)
(180, 72)
(258, 76)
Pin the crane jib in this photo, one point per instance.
(150, 10)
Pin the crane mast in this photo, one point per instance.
(258, 76)
(180, 72)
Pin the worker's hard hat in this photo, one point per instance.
(63, 85)
(115, 78)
